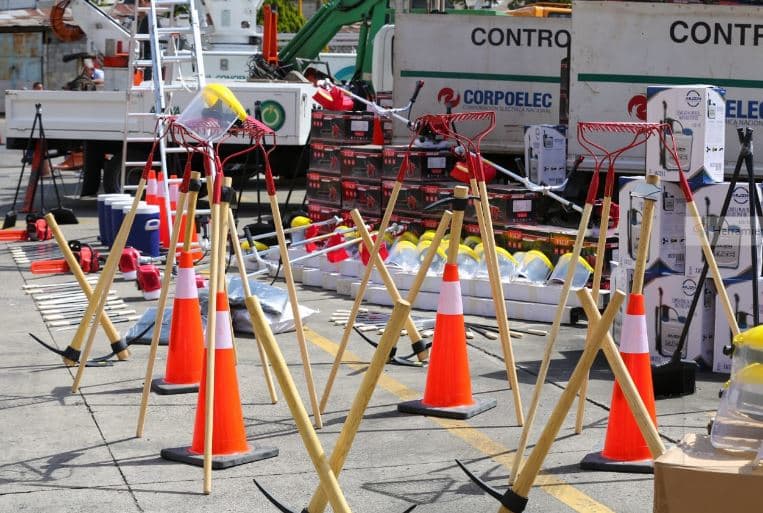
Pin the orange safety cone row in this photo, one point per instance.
(229, 444)
(185, 355)
(174, 190)
(625, 449)
(161, 197)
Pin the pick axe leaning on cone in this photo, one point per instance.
(111, 332)
(514, 500)
(95, 308)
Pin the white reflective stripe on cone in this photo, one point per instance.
(633, 336)
(449, 302)
(223, 338)
(185, 285)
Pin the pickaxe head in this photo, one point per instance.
(509, 499)
(285, 509)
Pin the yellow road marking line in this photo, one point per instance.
(496, 451)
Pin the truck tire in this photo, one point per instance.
(111, 171)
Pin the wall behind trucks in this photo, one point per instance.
(620, 48)
(507, 64)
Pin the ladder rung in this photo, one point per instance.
(158, 9)
(175, 150)
(159, 3)
(144, 63)
(178, 58)
(142, 114)
(142, 37)
(140, 139)
(177, 87)
(174, 30)
(135, 163)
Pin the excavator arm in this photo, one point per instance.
(324, 25)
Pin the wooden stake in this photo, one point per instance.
(638, 282)
(292, 289)
(485, 223)
(531, 469)
(389, 283)
(310, 440)
(248, 292)
(161, 306)
(95, 308)
(351, 425)
(383, 224)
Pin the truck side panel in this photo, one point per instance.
(502, 63)
(620, 48)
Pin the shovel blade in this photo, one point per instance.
(10, 220)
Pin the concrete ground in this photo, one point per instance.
(68, 452)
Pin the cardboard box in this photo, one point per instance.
(667, 246)
(318, 212)
(546, 154)
(410, 200)
(324, 189)
(695, 477)
(732, 253)
(423, 165)
(362, 162)
(365, 195)
(740, 295)
(697, 116)
(325, 157)
(668, 298)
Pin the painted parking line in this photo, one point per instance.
(552, 485)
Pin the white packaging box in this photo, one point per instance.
(546, 153)
(740, 295)
(668, 298)
(666, 247)
(697, 116)
(732, 253)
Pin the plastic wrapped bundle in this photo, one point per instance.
(583, 271)
(535, 267)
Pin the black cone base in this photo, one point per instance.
(184, 455)
(457, 412)
(595, 461)
(161, 387)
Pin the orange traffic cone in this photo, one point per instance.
(448, 391)
(229, 445)
(161, 195)
(625, 450)
(174, 189)
(151, 188)
(186, 348)
(378, 133)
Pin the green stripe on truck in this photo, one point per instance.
(668, 80)
(479, 76)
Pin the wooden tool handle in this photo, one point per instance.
(189, 218)
(400, 313)
(531, 469)
(647, 220)
(264, 335)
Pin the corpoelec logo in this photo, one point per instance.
(273, 114)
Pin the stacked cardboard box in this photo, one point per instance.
(695, 114)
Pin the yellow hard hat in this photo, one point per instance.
(752, 338)
(299, 221)
(472, 241)
(427, 235)
(410, 237)
(218, 92)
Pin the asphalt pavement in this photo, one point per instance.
(64, 452)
